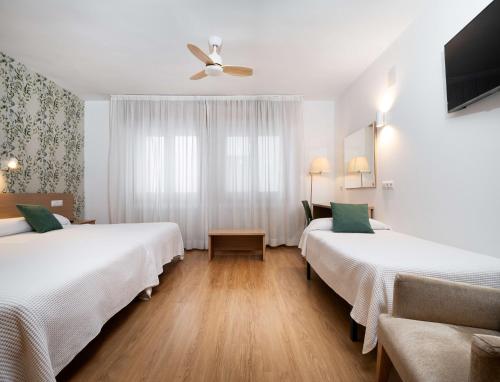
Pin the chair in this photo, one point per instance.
(307, 210)
(440, 331)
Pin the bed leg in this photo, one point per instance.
(308, 271)
(354, 330)
(145, 295)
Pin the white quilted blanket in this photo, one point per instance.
(57, 289)
(361, 268)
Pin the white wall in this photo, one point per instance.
(318, 141)
(444, 166)
(96, 160)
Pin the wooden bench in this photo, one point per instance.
(236, 240)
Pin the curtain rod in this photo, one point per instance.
(207, 98)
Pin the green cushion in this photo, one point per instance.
(39, 218)
(351, 218)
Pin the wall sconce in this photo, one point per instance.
(380, 120)
(10, 164)
(319, 166)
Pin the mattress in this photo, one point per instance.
(57, 289)
(361, 268)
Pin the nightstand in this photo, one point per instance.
(83, 221)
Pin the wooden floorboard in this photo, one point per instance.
(235, 318)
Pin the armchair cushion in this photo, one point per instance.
(428, 351)
(437, 300)
(485, 358)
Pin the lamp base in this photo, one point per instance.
(311, 189)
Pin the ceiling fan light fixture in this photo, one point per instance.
(213, 70)
(214, 41)
(213, 62)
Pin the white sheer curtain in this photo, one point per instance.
(208, 162)
(158, 163)
(254, 172)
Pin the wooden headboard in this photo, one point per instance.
(8, 203)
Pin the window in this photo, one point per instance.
(154, 157)
(186, 164)
(172, 164)
(270, 163)
(181, 174)
(241, 173)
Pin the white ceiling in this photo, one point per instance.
(101, 47)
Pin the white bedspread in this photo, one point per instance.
(361, 268)
(57, 289)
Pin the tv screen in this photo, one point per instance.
(472, 60)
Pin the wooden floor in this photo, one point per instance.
(235, 318)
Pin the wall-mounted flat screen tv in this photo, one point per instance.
(472, 60)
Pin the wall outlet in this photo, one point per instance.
(56, 203)
(388, 185)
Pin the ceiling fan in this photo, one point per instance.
(213, 61)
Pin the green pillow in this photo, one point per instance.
(39, 218)
(351, 218)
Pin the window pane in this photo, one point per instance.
(186, 164)
(154, 155)
(270, 163)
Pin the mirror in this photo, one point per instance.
(359, 159)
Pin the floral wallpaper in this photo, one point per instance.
(41, 125)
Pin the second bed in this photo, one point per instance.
(361, 268)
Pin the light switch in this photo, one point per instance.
(388, 184)
(56, 203)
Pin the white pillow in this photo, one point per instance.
(325, 224)
(321, 224)
(378, 225)
(13, 226)
(62, 220)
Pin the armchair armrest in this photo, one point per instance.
(430, 299)
(485, 358)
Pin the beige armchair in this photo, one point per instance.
(440, 331)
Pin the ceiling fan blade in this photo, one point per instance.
(238, 70)
(200, 54)
(198, 76)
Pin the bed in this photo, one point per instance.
(57, 289)
(361, 267)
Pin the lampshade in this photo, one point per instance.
(358, 164)
(12, 163)
(319, 165)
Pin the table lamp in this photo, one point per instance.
(359, 165)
